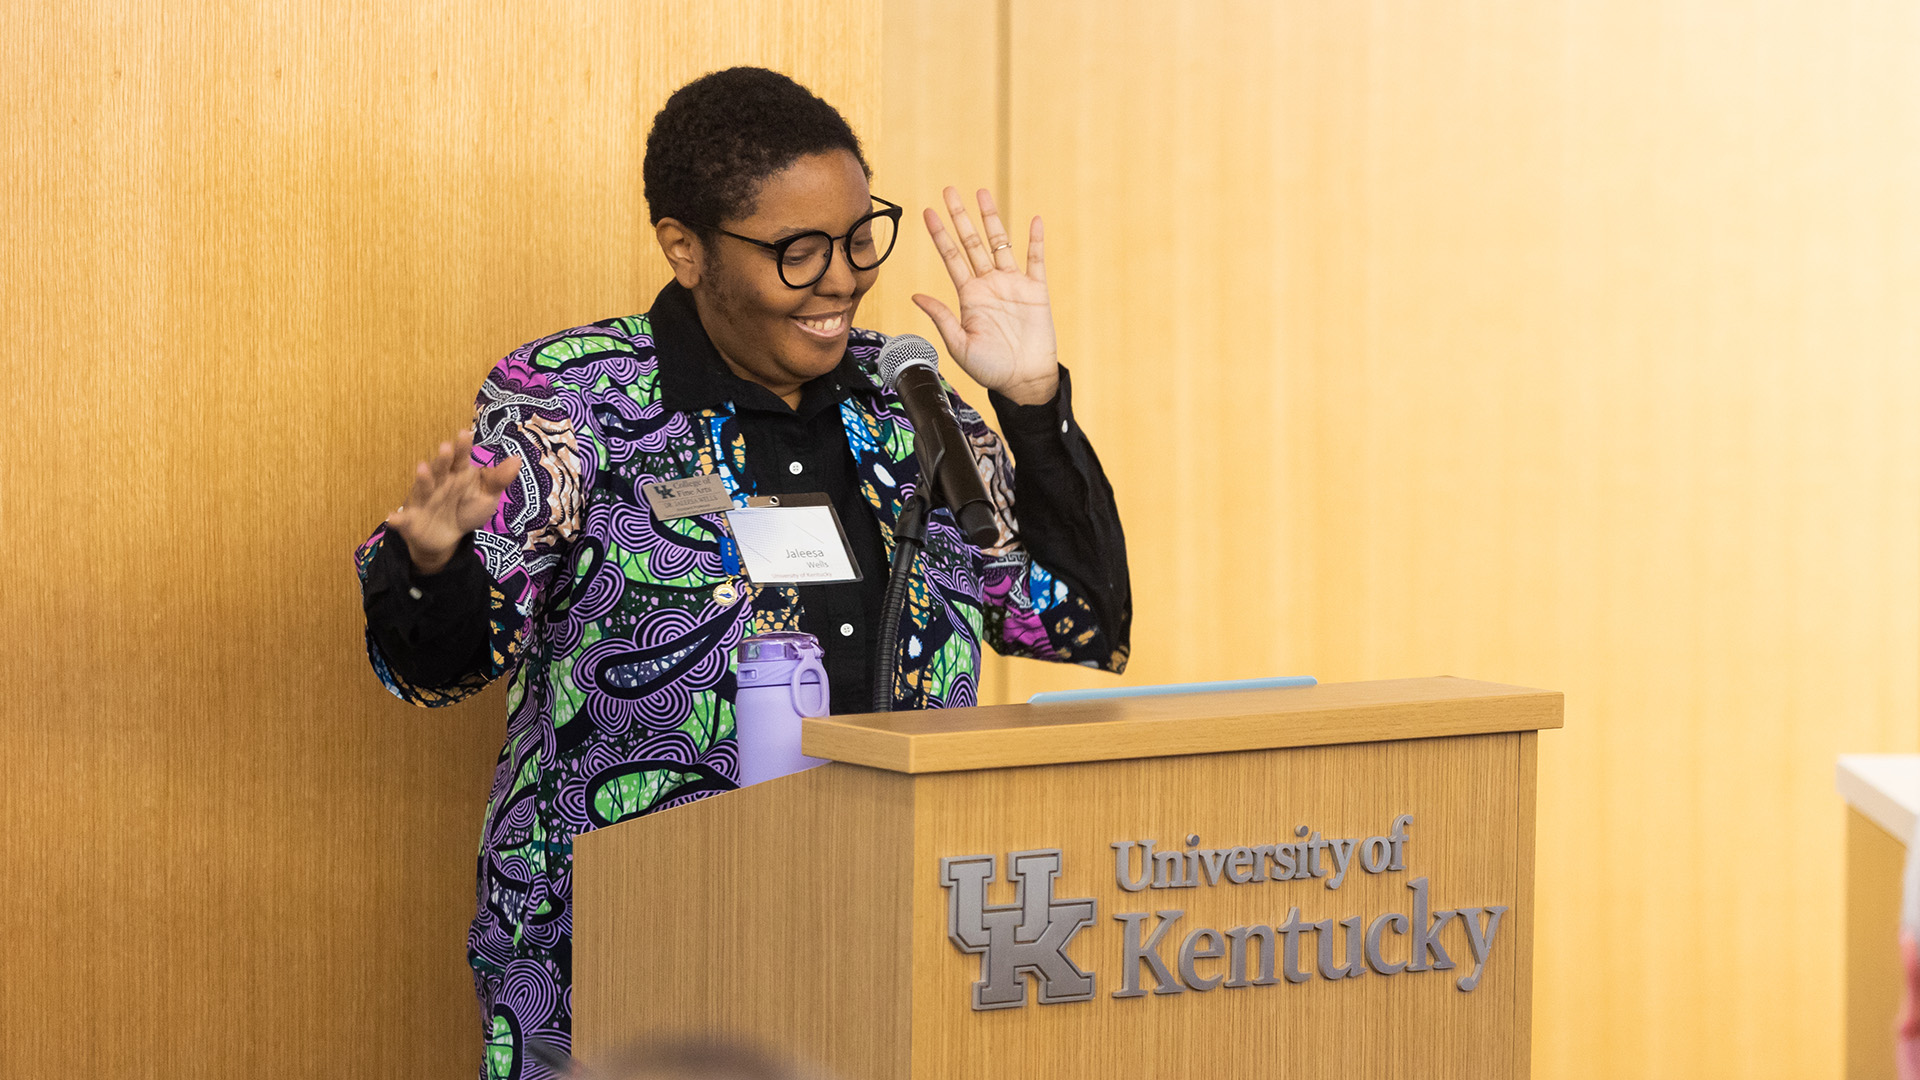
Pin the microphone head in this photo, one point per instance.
(903, 351)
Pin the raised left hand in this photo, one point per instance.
(1003, 336)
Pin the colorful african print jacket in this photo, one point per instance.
(618, 629)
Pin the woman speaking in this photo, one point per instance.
(538, 545)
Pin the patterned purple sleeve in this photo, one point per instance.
(526, 412)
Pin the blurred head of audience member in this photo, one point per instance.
(1906, 1023)
(692, 1059)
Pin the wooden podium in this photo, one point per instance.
(840, 914)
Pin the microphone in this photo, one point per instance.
(911, 369)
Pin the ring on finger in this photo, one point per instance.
(1003, 245)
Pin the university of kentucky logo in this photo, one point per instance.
(1025, 942)
(1027, 937)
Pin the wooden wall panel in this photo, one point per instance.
(258, 258)
(942, 106)
(942, 121)
(1565, 345)
(1154, 136)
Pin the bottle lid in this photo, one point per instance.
(777, 646)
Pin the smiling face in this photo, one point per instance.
(769, 333)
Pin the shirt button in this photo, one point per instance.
(793, 467)
(846, 629)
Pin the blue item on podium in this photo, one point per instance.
(1055, 697)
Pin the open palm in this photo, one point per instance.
(451, 497)
(1003, 336)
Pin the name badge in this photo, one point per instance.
(793, 540)
(675, 499)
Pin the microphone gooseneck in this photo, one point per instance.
(909, 536)
(910, 368)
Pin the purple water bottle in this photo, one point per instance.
(781, 680)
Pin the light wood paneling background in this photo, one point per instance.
(1551, 343)
(258, 258)
(1567, 345)
(943, 121)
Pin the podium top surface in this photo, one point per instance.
(1009, 736)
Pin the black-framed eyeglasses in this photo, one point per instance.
(803, 258)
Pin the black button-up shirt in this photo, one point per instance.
(791, 451)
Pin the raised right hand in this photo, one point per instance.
(451, 497)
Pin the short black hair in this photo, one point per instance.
(718, 137)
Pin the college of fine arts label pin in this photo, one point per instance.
(726, 593)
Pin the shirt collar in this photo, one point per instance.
(693, 377)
